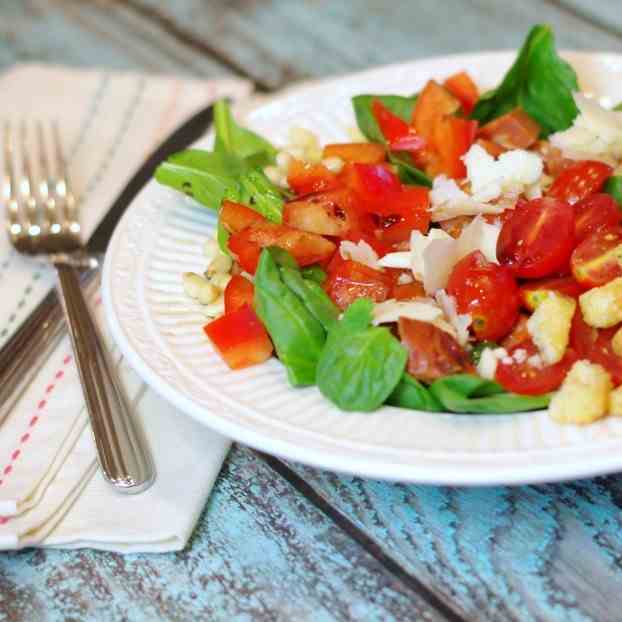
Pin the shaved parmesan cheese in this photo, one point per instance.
(487, 365)
(361, 252)
(425, 310)
(395, 260)
(460, 322)
(440, 256)
(405, 279)
(500, 180)
(595, 133)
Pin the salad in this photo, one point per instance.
(463, 253)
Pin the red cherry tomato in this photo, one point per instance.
(596, 260)
(538, 238)
(595, 212)
(580, 180)
(527, 379)
(595, 345)
(349, 280)
(534, 292)
(488, 292)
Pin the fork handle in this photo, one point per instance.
(121, 449)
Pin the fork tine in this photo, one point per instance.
(45, 175)
(15, 222)
(63, 185)
(28, 185)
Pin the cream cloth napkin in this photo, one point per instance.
(51, 493)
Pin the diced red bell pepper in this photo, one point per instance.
(373, 184)
(365, 153)
(305, 178)
(349, 280)
(453, 137)
(399, 135)
(434, 102)
(306, 248)
(239, 292)
(406, 211)
(240, 338)
(234, 216)
(461, 86)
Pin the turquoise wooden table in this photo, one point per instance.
(280, 541)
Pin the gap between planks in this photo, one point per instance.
(360, 537)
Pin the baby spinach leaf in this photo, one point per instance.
(360, 364)
(397, 104)
(239, 141)
(465, 393)
(410, 393)
(313, 296)
(614, 188)
(202, 175)
(407, 171)
(254, 189)
(298, 336)
(314, 273)
(618, 108)
(539, 82)
(222, 237)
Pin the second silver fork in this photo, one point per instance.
(42, 219)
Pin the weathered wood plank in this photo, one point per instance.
(260, 552)
(524, 553)
(275, 41)
(603, 13)
(86, 34)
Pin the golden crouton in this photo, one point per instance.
(602, 306)
(549, 326)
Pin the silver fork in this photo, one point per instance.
(43, 219)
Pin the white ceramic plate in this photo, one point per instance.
(159, 329)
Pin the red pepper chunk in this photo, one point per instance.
(240, 338)
(462, 87)
(239, 292)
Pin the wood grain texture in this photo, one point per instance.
(524, 553)
(260, 552)
(277, 41)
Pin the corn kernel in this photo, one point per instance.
(220, 280)
(208, 293)
(215, 309)
(210, 248)
(220, 263)
(301, 137)
(192, 283)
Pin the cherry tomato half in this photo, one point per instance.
(488, 292)
(595, 212)
(527, 379)
(580, 180)
(596, 260)
(538, 238)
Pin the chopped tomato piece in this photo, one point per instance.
(513, 130)
(533, 293)
(528, 379)
(349, 280)
(453, 137)
(240, 338)
(595, 212)
(399, 135)
(434, 102)
(461, 86)
(595, 345)
(488, 293)
(326, 213)
(239, 292)
(305, 178)
(365, 153)
(235, 216)
(596, 260)
(404, 213)
(538, 238)
(374, 184)
(432, 352)
(306, 248)
(519, 333)
(580, 180)
(408, 291)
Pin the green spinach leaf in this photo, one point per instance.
(618, 108)
(410, 393)
(314, 273)
(298, 336)
(254, 189)
(407, 171)
(465, 393)
(401, 106)
(222, 237)
(239, 141)
(202, 175)
(315, 299)
(614, 188)
(360, 364)
(539, 82)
